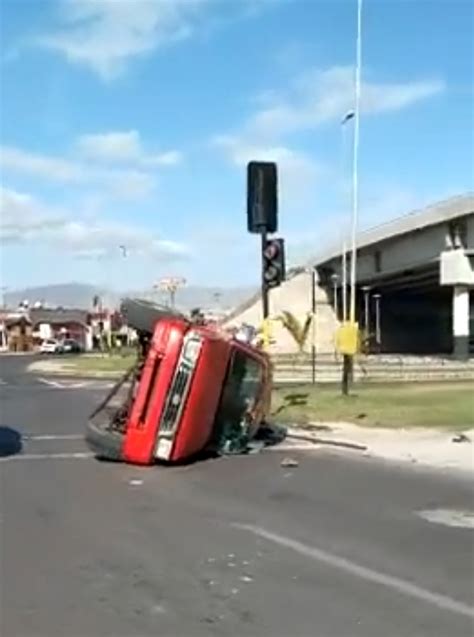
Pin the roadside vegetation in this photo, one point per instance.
(447, 405)
(113, 363)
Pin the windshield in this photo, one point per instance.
(240, 394)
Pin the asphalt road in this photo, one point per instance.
(238, 546)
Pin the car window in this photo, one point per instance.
(239, 395)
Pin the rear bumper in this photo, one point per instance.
(104, 443)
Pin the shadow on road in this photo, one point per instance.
(10, 441)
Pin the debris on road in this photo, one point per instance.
(246, 578)
(461, 438)
(289, 462)
(326, 441)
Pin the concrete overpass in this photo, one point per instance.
(415, 282)
(415, 279)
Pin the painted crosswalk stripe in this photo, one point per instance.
(41, 437)
(48, 456)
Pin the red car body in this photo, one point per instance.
(195, 383)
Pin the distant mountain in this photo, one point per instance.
(72, 295)
(80, 295)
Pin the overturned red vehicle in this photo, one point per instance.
(193, 389)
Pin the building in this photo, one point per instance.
(61, 323)
(18, 332)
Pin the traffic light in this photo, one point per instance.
(274, 263)
(262, 197)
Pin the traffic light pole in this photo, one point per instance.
(265, 303)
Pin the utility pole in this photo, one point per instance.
(351, 329)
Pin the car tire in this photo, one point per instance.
(104, 443)
(142, 315)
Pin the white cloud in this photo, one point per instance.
(51, 168)
(300, 176)
(22, 218)
(298, 172)
(105, 34)
(25, 219)
(129, 184)
(123, 147)
(113, 146)
(168, 158)
(317, 97)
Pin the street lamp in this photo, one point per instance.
(355, 161)
(348, 357)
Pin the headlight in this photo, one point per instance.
(191, 350)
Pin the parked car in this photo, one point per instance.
(70, 346)
(51, 346)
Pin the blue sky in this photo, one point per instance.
(130, 122)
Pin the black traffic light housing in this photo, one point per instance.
(262, 197)
(273, 263)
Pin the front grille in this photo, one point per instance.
(176, 398)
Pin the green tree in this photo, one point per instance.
(299, 330)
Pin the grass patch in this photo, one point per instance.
(98, 363)
(448, 405)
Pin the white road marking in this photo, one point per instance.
(48, 456)
(91, 384)
(449, 517)
(395, 583)
(51, 383)
(52, 437)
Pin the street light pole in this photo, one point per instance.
(355, 162)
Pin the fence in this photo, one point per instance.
(328, 369)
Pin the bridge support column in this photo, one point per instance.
(461, 321)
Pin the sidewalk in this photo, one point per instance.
(427, 447)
